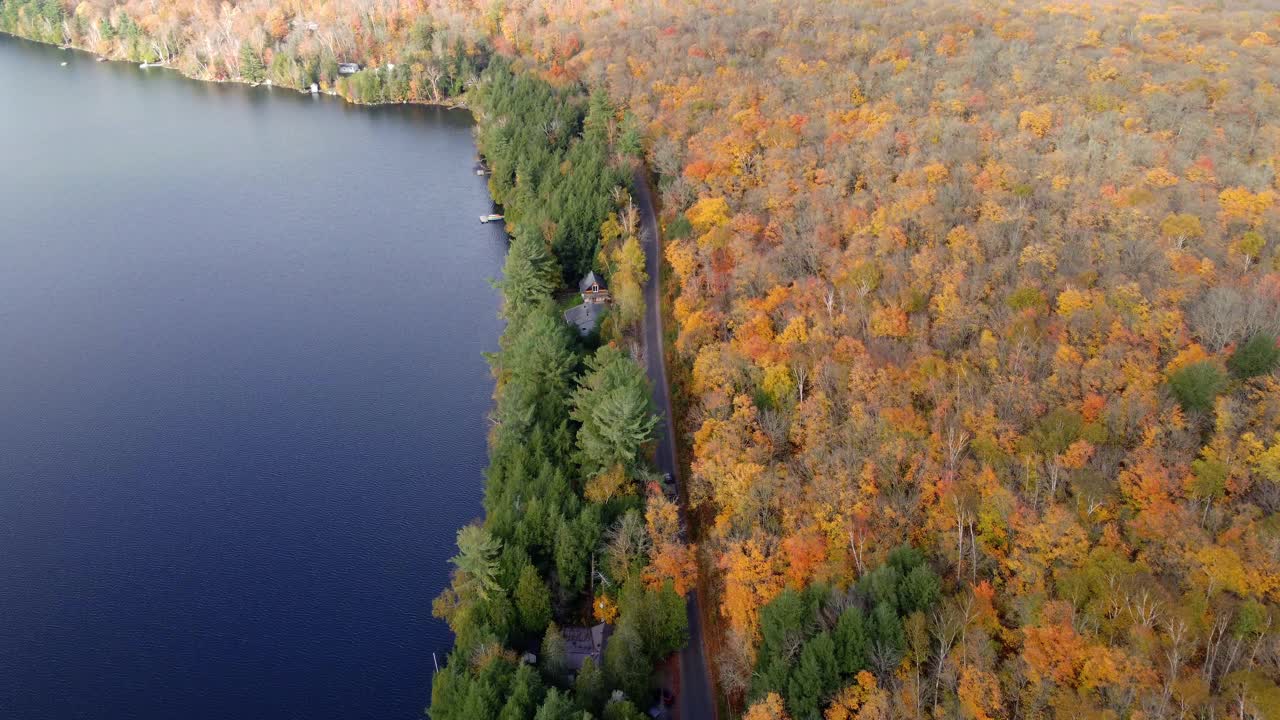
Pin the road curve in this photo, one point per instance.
(694, 701)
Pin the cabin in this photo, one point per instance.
(581, 643)
(593, 289)
(595, 299)
(348, 68)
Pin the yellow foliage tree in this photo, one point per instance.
(979, 694)
(846, 704)
(1238, 203)
(889, 321)
(1037, 120)
(607, 485)
(629, 278)
(1161, 178)
(708, 213)
(770, 708)
(1181, 227)
(605, 609)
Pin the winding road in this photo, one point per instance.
(694, 700)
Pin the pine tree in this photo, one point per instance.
(554, 658)
(851, 641)
(625, 662)
(530, 274)
(251, 68)
(557, 706)
(814, 678)
(885, 637)
(524, 696)
(784, 624)
(589, 688)
(1259, 355)
(919, 590)
(533, 601)
(477, 559)
(1197, 385)
(616, 411)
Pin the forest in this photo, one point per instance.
(975, 310)
(998, 281)
(578, 529)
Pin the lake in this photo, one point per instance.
(242, 396)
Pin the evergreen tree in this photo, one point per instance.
(631, 139)
(885, 638)
(625, 662)
(615, 408)
(622, 710)
(1197, 385)
(668, 622)
(554, 655)
(784, 625)
(814, 678)
(482, 700)
(449, 689)
(920, 589)
(524, 697)
(1259, 355)
(589, 687)
(882, 585)
(534, 370)
(530, 274)
(477, 559)
(251, 68)
(556, 706)
(533, 601)
(850, 640)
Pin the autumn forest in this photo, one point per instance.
(972, 314)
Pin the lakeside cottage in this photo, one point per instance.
(348, 68)
(581, 643)
(595, 300)
(593, 289)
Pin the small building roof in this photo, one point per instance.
(582, 643)
(591, 279)
(584, 317)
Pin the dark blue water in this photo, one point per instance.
(242, 395)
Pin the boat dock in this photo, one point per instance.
(490, 218)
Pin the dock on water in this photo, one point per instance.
(490, 218)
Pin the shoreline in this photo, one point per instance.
(459, 104)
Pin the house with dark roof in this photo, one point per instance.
(595, 301)
(593, 289)
(581, 643)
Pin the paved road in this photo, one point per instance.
(694, 701)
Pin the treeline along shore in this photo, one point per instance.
(367, 55)
(570, 592)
